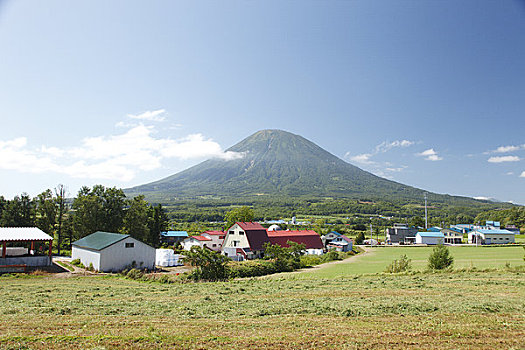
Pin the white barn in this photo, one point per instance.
(491, 236)
(112, 252)
(430, 238)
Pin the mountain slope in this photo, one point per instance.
(278, 163)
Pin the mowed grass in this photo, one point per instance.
(377, 259)
(461, 310)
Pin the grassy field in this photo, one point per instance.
(378, 258)
(451, 310)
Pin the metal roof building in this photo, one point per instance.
(107, 252)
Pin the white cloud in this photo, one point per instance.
(115, 157)
(383, 147)
(506, 149)
(503, 159)
(360, 158)
(430, 154)
(156, 116)
(510, 173)
(481, 198)
(522, 174)
(387, 146)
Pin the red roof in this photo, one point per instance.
(215, 233)
(309, 238)
(250, 226)
(201, 238)
(255, 233)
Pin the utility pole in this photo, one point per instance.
(371, 233)
(426, 218)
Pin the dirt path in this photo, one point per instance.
(367, 251)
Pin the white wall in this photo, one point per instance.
(117, 257)
(86, 257)
(428, 240)
(191, 242)
(235, 236)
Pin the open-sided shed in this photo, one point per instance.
(25, 246)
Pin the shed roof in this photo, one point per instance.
(255, 233)
(99, 240)
(23, 234)
(496, 232)
(174, 234)
(431, 234)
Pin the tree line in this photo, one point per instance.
(93, 209)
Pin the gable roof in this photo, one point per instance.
(309, 238)
(255, 233)
(250, 226)
(99, 240)
(23, 234)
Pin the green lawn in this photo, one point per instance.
(378, 258)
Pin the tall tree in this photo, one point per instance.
(60, 197)
(98, 209)
(137, 219)
(158, 223)
(19, 212)
(241, 214)
(46, 212)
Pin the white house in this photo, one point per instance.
(491, 236)
(112, 252)
(430, 238)
(246, 240)
(198, 241)
(24, 246)
(217, 238)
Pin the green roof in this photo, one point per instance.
(99, 240)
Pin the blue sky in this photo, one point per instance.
(427, 93)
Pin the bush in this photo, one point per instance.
(76, 262)
(401, 265)
(440, 258)
(360, 238)
(211, 265)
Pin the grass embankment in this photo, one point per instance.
(444, 310)
(377, 259)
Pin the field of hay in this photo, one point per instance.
(449, 310)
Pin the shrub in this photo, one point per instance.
(76, 262)
(360, 238)
(401, 265)
(440, 258)
(211, 265)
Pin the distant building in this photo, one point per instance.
(400, 234)
(462, 228)
(491, 236)
(310, 239)
(198, 241)
(434, 229)
(430, 238)
(112, 252)
(513, 228)
(245, 239)
(173, 237)
(452, 236)
(216, 237)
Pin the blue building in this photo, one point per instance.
(172, 237)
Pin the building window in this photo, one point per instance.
(214, 245)
(231, 232)
(241, 233)
(130, 245)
